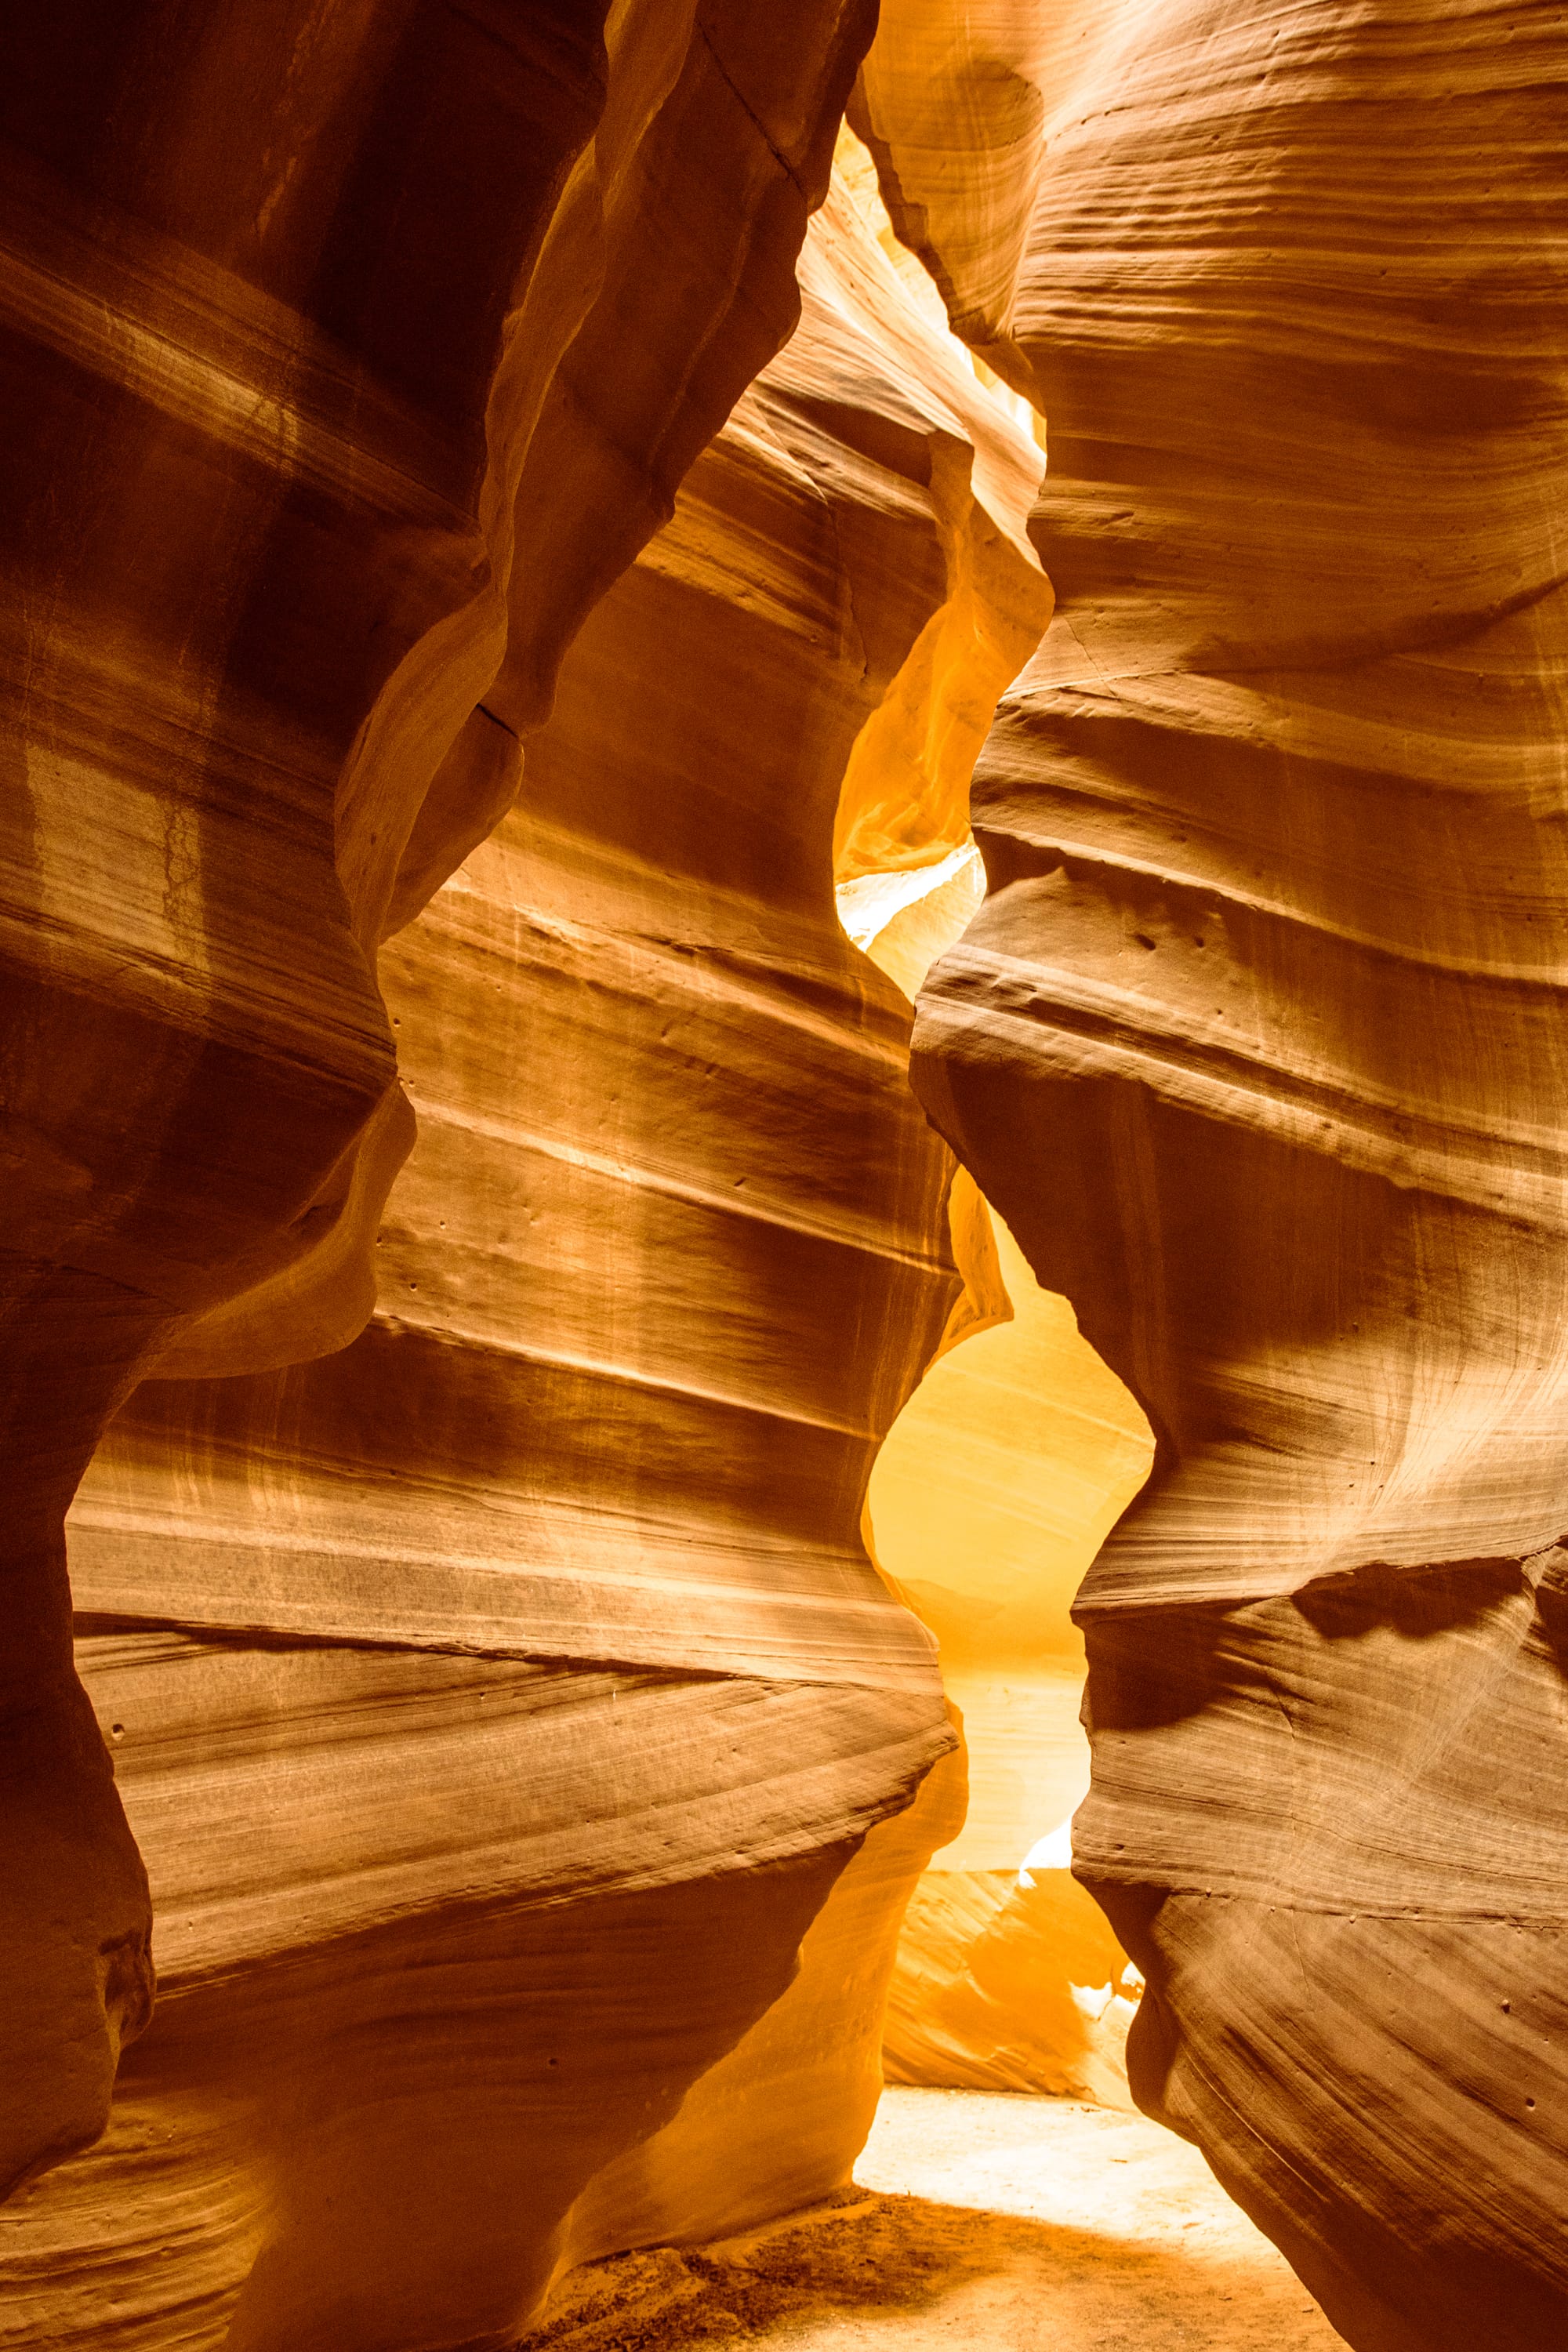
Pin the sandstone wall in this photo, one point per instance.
(502, 1701)
(308, 317)
(530, 1763)
(1256, 1045)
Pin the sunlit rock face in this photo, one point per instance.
(1257, 1047)
(309, 317)
(530, 1765)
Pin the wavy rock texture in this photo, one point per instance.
(1257, 1045)
(308, 322)
(501, 1700)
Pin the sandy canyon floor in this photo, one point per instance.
(1007, 2224)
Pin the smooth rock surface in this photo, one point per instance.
(307, 318)
(408, 705)
(1258, 1045)
(476, 1687)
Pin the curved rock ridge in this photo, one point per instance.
(1010, 1981)
(952, 107)
(532, 1766)
(440, 1941)
(305, 316)
(1256, 1045)
(651, 962)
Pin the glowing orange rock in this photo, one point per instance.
(505, 1699)
(1257, 1045)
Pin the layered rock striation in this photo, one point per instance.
(530, 1765)
(307, 322)
(1257, 1046)
(528, 1762)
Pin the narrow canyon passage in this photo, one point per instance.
(784, 1138)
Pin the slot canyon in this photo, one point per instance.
(785, 1134)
